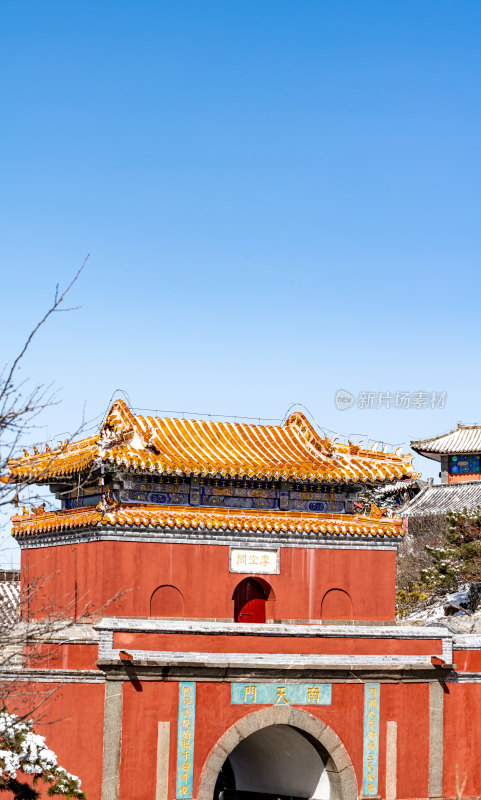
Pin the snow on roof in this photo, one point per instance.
(292, 451)
(9, 597)
(463, 439)
(188, 517)
(400, 486)
(443, 497)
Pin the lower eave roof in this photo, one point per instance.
(185, 517)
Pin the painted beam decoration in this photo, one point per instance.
(185, 740)
(273, 694)
(231, 494)
(464, 464)
(371, 739)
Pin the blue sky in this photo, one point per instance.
(279, 199)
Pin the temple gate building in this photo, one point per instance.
(245, 643)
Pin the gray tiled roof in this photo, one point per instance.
(9, 602)
(399, 486)
(443, 497)
(464, 439)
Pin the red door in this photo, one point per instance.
(249, 602)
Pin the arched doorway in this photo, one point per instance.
(278, 752)
(250, 601)
(275, 762)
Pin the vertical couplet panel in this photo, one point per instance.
(185, 741)
(370, 765)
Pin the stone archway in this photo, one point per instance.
(338, 765)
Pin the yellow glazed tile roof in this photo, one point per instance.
(186, 517)
(293, 451)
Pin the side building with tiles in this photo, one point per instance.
(233, 633)
(459, 455)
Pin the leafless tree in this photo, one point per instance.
(21, 403)
(28, 642)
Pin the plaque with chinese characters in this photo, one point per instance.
(281, 694)
(255, 562)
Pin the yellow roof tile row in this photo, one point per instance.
(186, 517)
(293, 451)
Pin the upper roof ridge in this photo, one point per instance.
(292, 451)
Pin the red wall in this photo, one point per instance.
(467, 660)
(274, 644)
(467, 476)
(60, 656)
(71, 717)
(462, 740)
(119, 578)
(214, 715)
(76, 735)
(408, 704)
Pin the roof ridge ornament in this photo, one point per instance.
(323, 447)
(107, 503)
(149, 440)
(377, 512)
(119, 427)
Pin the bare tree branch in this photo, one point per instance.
(57, 301)
(21, 406)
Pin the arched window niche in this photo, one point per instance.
(167, 601)
(336, 605)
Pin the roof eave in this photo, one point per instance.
(427, 453)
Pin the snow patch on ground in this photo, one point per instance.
(436, 609)
(435, 613)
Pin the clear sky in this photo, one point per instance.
(280, 200)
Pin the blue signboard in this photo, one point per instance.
(284, 694)
(371, 738)
(185, 740)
